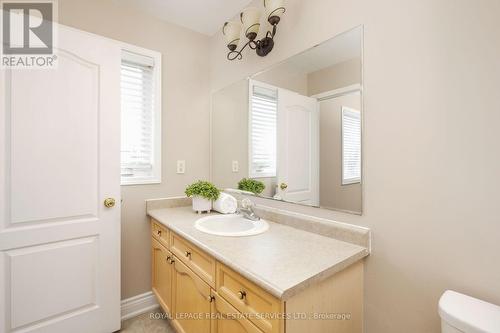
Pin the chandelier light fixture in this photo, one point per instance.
(250, 23)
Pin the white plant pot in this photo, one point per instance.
(201, 204)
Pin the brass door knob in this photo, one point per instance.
(187, 254)
(171, 260)
(168, 259)
(109, 202)
(242, 294)
(210, 298)
(283, 186)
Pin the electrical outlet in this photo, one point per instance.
(181, 166)
(235, 166)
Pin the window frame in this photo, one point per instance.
(156, 178)
(251, 174)
(357, 180)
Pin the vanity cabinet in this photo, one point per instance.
(203, 295)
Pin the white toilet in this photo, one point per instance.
(462, 313)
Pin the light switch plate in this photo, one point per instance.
(181, 166)
(235, 166)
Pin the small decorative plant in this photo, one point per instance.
(251, 185)
(203, 189)
(203, 193)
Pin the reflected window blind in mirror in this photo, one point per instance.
(351, 146)
(137, 124)
(263, 121)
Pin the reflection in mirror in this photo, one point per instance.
(293, 132)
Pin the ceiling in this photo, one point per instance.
(204, 16)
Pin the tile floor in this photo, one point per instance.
(147, 323)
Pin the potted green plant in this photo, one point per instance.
(251, 185)
(203, 193)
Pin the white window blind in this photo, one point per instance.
(137, 121)
(263, 122)
(351, 146)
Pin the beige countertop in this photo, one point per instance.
(283, 260)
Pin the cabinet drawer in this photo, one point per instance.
(200, 262)
(262, 308)
(229, 319)
(160, 233)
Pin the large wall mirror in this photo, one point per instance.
(293, 132)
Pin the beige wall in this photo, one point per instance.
(332, 193)
(337, 76)
(185, 116)
(431, 155)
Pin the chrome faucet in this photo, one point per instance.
(247, 210)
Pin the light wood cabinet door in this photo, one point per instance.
(192, 302)
(229, 320)
(161, 275)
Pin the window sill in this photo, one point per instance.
(262, 176)
(351, 182)
(140, 182)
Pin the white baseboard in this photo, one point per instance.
(134, 306)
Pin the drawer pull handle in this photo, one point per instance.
(242, 294)
(159, 233)
(171, 261)
(188, 254)
(168, 259)
(210, 298)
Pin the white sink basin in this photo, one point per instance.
(231, 225)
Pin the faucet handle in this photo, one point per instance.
(247, 203)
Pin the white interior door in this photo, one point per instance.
(298, 148)
(59, 160)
